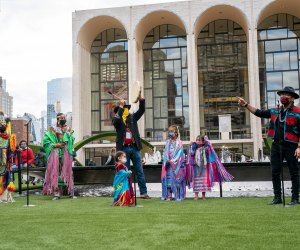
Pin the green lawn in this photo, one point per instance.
(91, 223)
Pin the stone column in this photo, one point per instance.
(192, 63)
(135, 73)
(254, 93)
(81, 92)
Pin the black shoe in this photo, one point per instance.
(293, 202)
(145, 196)
(275, 201)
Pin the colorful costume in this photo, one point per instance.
(206, 167)
(197, 171)
(173, 172)
(123, 191)
(7, 148)
(59, 160)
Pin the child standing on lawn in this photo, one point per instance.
(173, 169)
(197, 172)
(123, 191)
(206, 167)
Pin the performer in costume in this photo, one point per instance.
(128, 139)
(284, 129)
(123, 191)
(196, 174)
(206, 167)
(58, 143)
(7, 147)
(173, 174)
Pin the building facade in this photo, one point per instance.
(193, 58)
(58, 90)
(19, 128)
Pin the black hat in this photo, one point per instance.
(289, 90)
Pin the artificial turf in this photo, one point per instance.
(91, 223)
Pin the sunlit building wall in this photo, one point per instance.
(192, 58)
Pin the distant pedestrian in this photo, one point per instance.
(111, 158)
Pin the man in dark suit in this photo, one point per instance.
(128, 139)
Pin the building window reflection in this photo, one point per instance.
(278, 50)
(223, 75)
(109, 72)
(165, 82)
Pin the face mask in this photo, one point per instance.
(23, 146)
(123, 160)
(172, 134)
(62, 122)
(284, 100)
(2, 129)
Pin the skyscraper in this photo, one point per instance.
(58, 90)
(6, 101)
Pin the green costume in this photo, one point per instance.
(59, 160)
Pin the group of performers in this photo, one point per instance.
(58, 143)
(199, 170)
(202, 167)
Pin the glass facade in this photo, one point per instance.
(279, 58)
(223, 75)
(166, 82)
(109, 72)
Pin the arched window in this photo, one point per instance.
(223, 75)
(165, 81)
(109, 72)
(279, 55)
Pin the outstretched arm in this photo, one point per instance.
(246, 105)
(138, 114)
(117, 122)
(253, 110)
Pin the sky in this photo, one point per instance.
(36, 45)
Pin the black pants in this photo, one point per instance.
(288, 151)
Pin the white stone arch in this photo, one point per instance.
(154, 19)
(218, 12)
(145, 24)
(94, 26)
(223, 11)
(290, 7)
(83, 37)
(273, 8)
